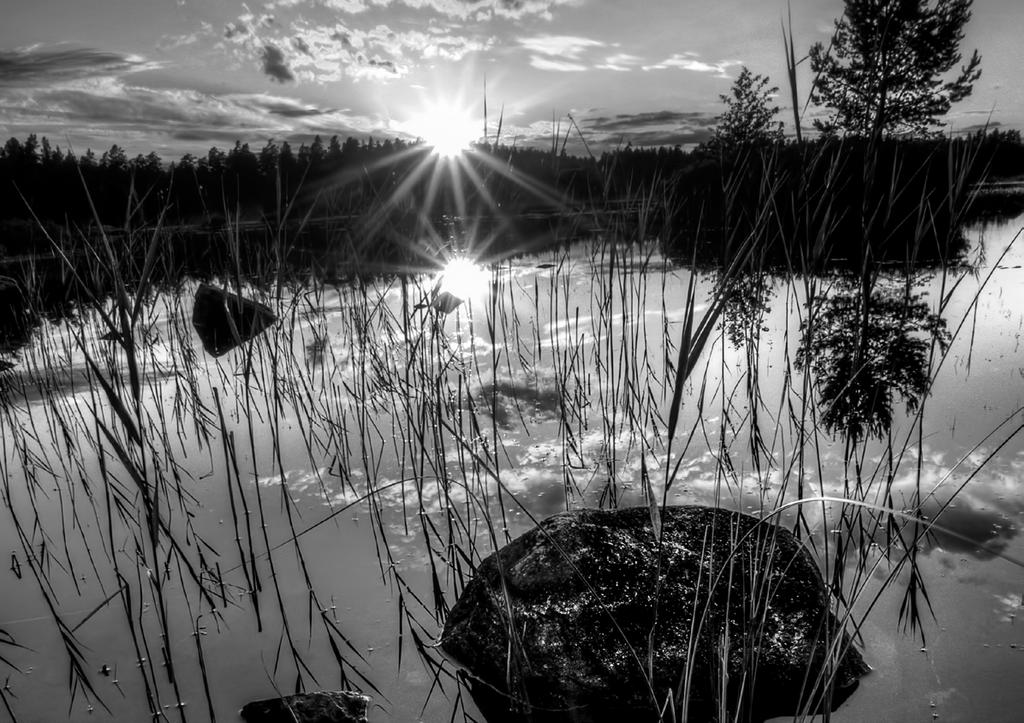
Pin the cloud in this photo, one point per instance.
(535, 402)
(346, 6)
(116, 107)
(247, 27)
(479, 10)
(275, 65)
(689, 61)
(516, 9)
(171, 42)
(620, 62)
(546, 63)
(36, 66)
(97, 113)
(563, 46)
(378, 52)
(301, 46)
(558, 53)
(255, 36)
(970, 527)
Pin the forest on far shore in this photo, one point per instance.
(42, 181)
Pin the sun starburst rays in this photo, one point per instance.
(451, 193)
(446, 127)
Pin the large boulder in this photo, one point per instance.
(729, 613)
(322, 707)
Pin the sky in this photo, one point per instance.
(179, 76)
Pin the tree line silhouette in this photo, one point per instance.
(44, 183)
(57, 185)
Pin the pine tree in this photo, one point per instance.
(268, 159)
(883, 72)
(749, 118)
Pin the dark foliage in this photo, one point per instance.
(884, 71)
(750, 116)
(813, 203)
(867, 350)
(848, 202)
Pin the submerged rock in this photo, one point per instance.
(445, 301)
(603, 632)
(224, 320)
(16, 320)
(324, 707)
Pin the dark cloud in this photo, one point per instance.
(668, 138)
(141, 113)
(388, 65)
(37, 67)
(168, 120)
(994, 125)
(300, 112)
(632, 121)
(291, 111)
(140, 109)
(650, 128)
(275, 65)
(344, 38)
(301, 45)
(210, 135)
(514, 402)
(974, 527)
(181, 114)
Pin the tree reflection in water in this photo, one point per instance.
(745, 305)
(866, 343)
(744, 308)
(865, 349)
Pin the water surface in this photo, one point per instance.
(324, 491)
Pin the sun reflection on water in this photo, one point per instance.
(463, 279)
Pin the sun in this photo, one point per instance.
(446, 127)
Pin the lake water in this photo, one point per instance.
(303, 510)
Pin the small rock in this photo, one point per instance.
(224, 320)
(322, 707)
(445, 301)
